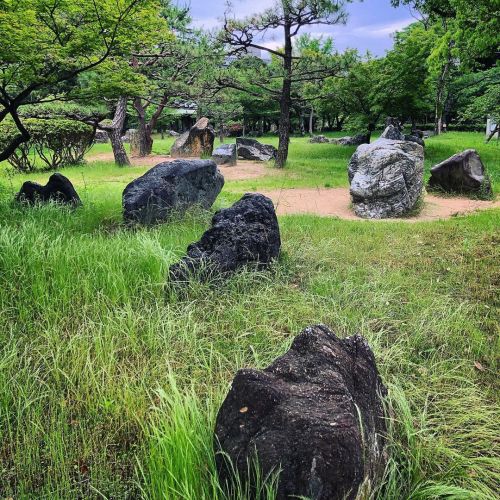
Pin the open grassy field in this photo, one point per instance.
(110, 383)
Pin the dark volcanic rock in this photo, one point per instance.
(352, 141)
(225, 154)
(197, 141)
(386, 178)
(250, 149)
(393, 133)
(315, 414)
(59, 189)
(415, 138)
(462, 173)
(171, 187)
(246, 233)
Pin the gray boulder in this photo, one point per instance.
(225, 154)
(461, 173)
(386, 178)
(250, 149)
(171, 187)
(392, 132)
(415, 138)
(128, 134)
(315, 415)
(352, 141)
(173, 133)
(318, 139)
(197, 141)
(101, 137)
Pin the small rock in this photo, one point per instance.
(59, 190)
(250, 149)
(197, 141)
(318, 139)
(315, 415)
(352, 141)
(246, 233)
(101, 137)
(171, 187)
(225, 154)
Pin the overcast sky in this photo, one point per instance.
(369, 27)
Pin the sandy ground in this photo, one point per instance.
(242, 171)
(336, 202)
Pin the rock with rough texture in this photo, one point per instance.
(392, 132)
(250, 149)
(352, 141)
(225, 154)
(171, 187)
(59, 190)
(415, 138)
(173, 133)
(128, 134)
(386, 178)
(246, 233)
(461, 173)
(101, 137)
(315, 414)
(318, 139)
(197, 141)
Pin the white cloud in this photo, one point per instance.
(382, 30)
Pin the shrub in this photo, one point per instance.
(54, 143)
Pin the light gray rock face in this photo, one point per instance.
(250, 149)
(171, 187)
(355, 140)
(393, 133)
(197, 141)
(225, 154)
(386, 178)
(318, 139)
(461, 173)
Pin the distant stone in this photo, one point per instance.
(245, 234)
(417, 132)
(393, 133)
(386, 178)
(58, 190)
(251, 149)
(197, 141)
(225, 154)
(461, 173)
(129, 134)
(318, 139)
(428, 133)
(101, 137)
(173, 133)
(352, 141)
(171, 187)
(315, 416)
(415, 138)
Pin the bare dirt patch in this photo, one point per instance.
(335, 202)
(242, 171)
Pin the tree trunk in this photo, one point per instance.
(143, 142)
(311, 121)
(285, 102)
(301, 122)
(115, 133)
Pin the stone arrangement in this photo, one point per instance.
(245, 234)
(58, 190)
(462, 173)
(171, 187)
(225, 154)
(319, 139)
(315, 414)
(251, 149)
(197, 141)
(386, 178)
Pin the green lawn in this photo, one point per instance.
(109, 383)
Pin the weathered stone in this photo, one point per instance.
(197, 141)
(225, 154)
(428, 133)
(393, 133)
(173, 133)
(171, 187)
(417, 132)
(128, 134)
(352, 141)
(315, 416)
(101, 137)
(246, 233)
(59, 190)
(461, 173)
(386, 178)
(415, 138)
(250, 149)
(318, 139)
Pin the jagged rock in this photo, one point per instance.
(315, 415)
(225, 154)
(171, 187)
(393, 133)
(386, 178)
(250, 149)
(59, 190)
(318, 139)
(246, 233)
(352, 141)
(461, 173)
(415, 138)
(101, 137)
(197, 141)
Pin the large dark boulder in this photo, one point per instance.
(171, 187)
(315, 414)
(355, 140)
(415, 138)
(461, 173)
(250, 149)
(197, 141)
(59, 190)
(225, 154)
(246, 233)
(386, 178)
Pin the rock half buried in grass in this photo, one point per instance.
(171, 187)
(225, 154)
(246, 233)
(461, 173)
(197, 141)
(250, 149)
(59, 189)
(386, 178)
(315, 414)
